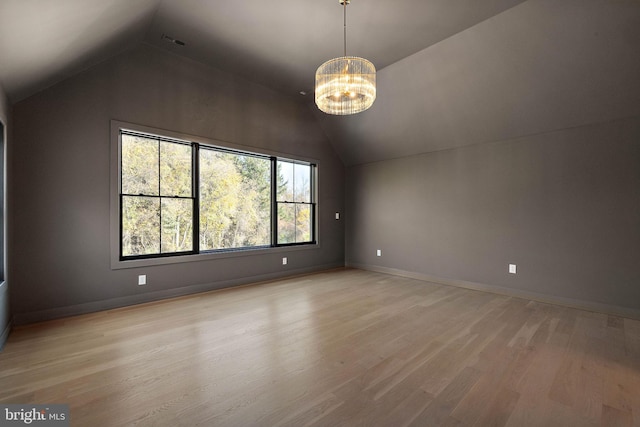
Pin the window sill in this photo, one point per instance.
(135, 263)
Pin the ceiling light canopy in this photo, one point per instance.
(345, 85)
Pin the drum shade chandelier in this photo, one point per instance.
(345, 85)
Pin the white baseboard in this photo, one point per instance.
(627, 312)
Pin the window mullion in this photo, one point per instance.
(295, 211)
(121, 219)
(160, 194)
(313, 200)
(195, 192)
(274, 202)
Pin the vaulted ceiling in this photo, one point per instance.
(450, 73)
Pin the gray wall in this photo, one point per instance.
(4, 287)
(564, 206)
(542, 65)
(4, 105)
(531, 118)
(59, 242)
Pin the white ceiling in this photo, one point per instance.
(451, 72)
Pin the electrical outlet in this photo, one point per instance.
(512, 268)
(142, 279)
(379, 252)
(284, 260)
(337, 215)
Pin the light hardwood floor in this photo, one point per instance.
(339, 348)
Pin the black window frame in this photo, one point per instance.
(195, 196)
(310, 203)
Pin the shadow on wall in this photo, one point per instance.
(4, 294)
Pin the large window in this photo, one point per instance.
(179, 197)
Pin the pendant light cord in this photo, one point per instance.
(345, 27)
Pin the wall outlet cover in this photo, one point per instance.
(142, 279)
(512, 268)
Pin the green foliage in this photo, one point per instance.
(139, 165)
(235, 197)
(140, 225)
(175, 169)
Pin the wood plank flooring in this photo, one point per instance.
(338, 348)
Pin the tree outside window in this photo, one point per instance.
(178, 197)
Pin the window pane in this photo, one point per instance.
(140, 225)
(253, 217)
(285, 181)
(235, 197)
(302, 183)
(303, 223)
(175, 169)
(286, 223)
(139, 165)
(294, 182)
(177, 220)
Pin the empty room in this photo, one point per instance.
(320, 213)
